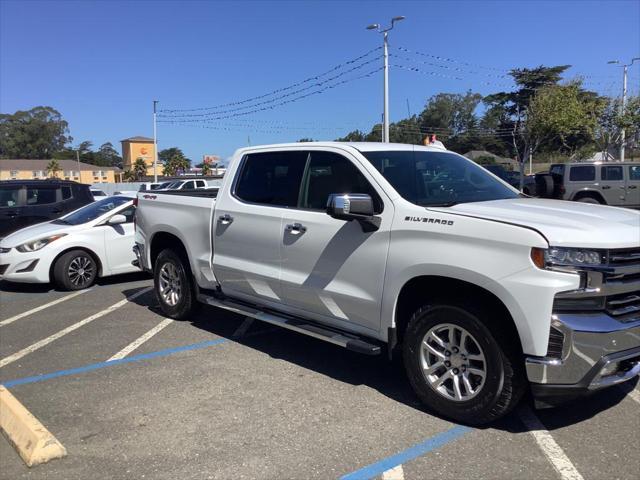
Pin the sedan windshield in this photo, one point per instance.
(437, 178)
(92, 211)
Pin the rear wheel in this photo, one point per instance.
(75, 270)
(458, 367)
(173, 285)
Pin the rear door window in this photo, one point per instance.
(634, 172)
(271, 178)
(66, 193)
(40, 196)
(586, 173)
(611, 172)
(9, 196)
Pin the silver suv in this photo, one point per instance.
(610, 183)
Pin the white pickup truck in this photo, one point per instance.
(484, 292)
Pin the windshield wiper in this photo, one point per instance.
(59, 221)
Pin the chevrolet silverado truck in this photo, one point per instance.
(417, 251)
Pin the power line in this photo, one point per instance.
(295, 85)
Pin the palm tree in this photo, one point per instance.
(206, 169)
(139, 168)
(53, 167)
(129, 176)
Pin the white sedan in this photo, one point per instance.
(72, 251)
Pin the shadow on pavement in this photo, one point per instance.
(376, 372)
(14, 287)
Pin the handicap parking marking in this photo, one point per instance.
(46, 341)
(411, 453)
(111, 363)
(554, 453)
(42, 307)
(142, 339)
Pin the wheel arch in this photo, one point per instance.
(589, 193)
(162, 240)
(412, 295)
(93, 254)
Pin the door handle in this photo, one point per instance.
(225, 219)
(630, 187)
(606, 187)
(296, 228)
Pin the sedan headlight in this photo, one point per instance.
(38, 244)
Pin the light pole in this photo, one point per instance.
(155, 142)
(624, 99)
(385, 33)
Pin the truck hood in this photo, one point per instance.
(562, 223)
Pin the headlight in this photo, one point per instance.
(572, 257)
(38, 244)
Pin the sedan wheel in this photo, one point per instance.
(75, 270)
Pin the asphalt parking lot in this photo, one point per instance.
(131, 394)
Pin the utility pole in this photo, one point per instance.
(530, 163)
(78, 162)
(385, 56)
(155, 142)
(624, 100)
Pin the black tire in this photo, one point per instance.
(504, 382)
(544, 185)
(183, 286)
(75, 270)
(592, 200)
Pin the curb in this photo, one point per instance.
(33, 442)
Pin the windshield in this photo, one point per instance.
(92, 211)
(437, 178)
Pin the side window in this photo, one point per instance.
(611, 172)
(9, 196)
(271, 178)
(332, 173)
(634, 172)
(41, 196)
(66, 193)
(586, 173)
(129, 213)
(200, 184)
(188, 185)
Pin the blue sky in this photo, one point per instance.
(102, 63)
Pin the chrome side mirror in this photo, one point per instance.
(353, 206)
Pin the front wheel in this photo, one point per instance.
(173, 285)
(457, 366)
(75, 270)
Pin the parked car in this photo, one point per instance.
(126, 193)
(185, 185)
(26, 202)
(74, 250)
(613, 183)
(151, 186)
(513, 178)
(98, 194)
(484, 293)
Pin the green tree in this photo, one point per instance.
(53, 167)
(306, 140)
(35, 133)
(206, 169)
(174, 161)
(129, 176)
(139, 168)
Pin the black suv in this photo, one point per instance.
(27, 202)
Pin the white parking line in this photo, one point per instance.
(41, 307)
(46, 341)
(548, 445)
(139, 341)
(395, 473)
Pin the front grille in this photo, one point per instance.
(3, 268)
(556, 341)
(626, 256)
(624, 306)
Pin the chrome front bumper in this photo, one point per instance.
(597, 351)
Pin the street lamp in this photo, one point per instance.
(385, 32)
(624, 98)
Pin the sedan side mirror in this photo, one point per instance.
(353, 206)
(117, 220)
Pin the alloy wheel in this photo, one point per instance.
(81, 271)
(170, 284)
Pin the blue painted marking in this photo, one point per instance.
(388, 463)
(97, 366)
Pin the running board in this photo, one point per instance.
(345, 340)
